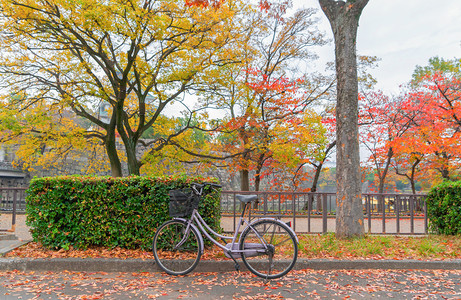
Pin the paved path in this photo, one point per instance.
(359, 284)
(227, 223)
(22, 231)
(301, 225)
(92, 279)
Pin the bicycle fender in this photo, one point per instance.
(202, 247)
(280, 222)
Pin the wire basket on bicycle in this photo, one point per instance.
(183, 202)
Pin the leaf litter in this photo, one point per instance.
(310, 247)
(314, 284)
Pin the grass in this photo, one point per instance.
(381, 247)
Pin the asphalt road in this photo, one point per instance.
(338, 284)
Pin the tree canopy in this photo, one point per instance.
(267, 100)
(136, 56)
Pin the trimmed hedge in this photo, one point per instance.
(83, 211)
(444, 208)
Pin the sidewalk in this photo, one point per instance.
(205, 266)
(22, 231)
(311, 284)
(300, 225)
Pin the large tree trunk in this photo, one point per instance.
(110, 143)
(257, 180)
(132, 160)
(244, 180)
(114, 160)
(344, 18)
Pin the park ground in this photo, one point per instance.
(299, 284)
(317, 246)
(311, 283)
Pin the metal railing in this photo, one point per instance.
(316, 212)
(12, 200)
(307, 212)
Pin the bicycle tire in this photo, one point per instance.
(176, 261)
(279, 257)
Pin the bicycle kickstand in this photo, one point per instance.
(237, 266)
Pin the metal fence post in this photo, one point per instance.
(381, 197)
(317, 222)
(397, 212)
(412, 219)
(309, 211)
(368, 198)
(13, 219)
(235, 207)
(294, 211)
(324, 213)
(426, 229)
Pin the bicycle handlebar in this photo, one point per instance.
(201, 186)
(215, 185)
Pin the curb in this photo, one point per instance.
(9, 245)
(139, 265)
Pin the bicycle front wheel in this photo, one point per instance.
(271, 249)
(176, 251)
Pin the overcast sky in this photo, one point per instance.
(403, 34)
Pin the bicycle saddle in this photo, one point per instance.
(246, 198)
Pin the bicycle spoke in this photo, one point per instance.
(176, 251)
(282, 242)
(275, 261)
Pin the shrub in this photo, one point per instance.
(444, 208)
(82, 211)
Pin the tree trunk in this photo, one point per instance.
(382, 177)
(412, 176)
(259, 168)
(111, 150)
(257, 181)
(344, 18)
(318, 168)
(444, 171)
(132, 160)
(244, 180)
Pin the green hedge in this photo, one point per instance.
(82, 211)
(444, 208)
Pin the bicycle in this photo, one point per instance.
(268, 247)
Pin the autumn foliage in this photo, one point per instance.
(270, 126)
(134, 58)
(416, 134)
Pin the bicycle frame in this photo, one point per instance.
(260, 238)
(231, 249)
(196, 219)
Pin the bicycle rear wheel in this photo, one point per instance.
(171, 256)
(276, 253)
